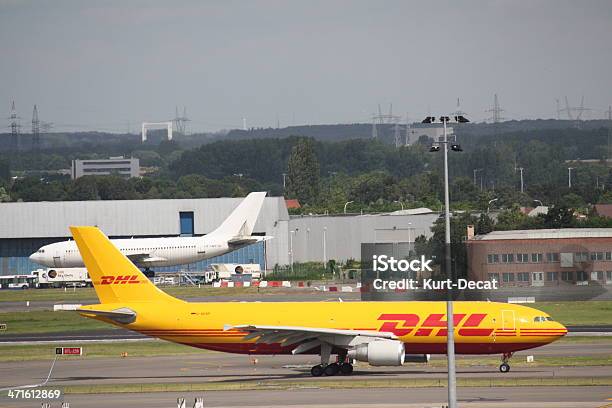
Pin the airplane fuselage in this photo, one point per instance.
(480, 327)
(160, 251)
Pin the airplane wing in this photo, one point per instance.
(307, 338)
(247, 240)
(143, 259)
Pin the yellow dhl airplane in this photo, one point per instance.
(380, 333)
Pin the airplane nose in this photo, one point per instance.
(562, 330)
(35, 257)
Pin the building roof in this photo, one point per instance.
(411, 211)
(604, 210)
(547, 234)
(292, 203)
(128, 217)
(540, 209)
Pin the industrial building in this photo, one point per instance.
(25, 227)
(546, 257)
(339, 237)
(125, 167)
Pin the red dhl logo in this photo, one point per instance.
(119, 280)
(405, 324)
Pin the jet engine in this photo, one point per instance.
(380, 353)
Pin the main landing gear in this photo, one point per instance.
(505, 367)
(332, 369)
(342, 367)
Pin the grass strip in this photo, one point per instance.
(157, 348)
(46, 321)
(335, 383)
(583, 313)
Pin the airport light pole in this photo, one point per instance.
(291, 249)
(409, 237)
(522, 184)
(307, 244)
(569, 176)
(450, 324)
(491, 202)
(347, 203)
(476, 171)
(324, 246)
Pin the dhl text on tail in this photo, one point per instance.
(380, 333)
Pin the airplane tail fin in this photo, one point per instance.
(115, 278)
(241, 221)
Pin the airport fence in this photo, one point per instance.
(308, 271)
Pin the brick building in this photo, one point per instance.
(549, 257)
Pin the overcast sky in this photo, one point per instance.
(99, 65)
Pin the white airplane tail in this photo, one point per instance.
(241, 221)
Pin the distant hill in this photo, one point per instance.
(339, 132)
(330, 133)
(67, 141)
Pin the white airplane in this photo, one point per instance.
(234, 233)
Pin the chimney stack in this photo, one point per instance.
(470, 232)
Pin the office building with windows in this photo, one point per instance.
(547, 257)
(124, 167)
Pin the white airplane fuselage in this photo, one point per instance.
(161, 252)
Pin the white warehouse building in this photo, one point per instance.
(25, 227)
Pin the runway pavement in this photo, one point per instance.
(212, 366)
(468, 397)
(231, 369)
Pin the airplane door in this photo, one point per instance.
(508, 320)
(537, 279)
(57, 259)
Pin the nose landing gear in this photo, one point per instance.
(505, 367)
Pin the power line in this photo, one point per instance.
(496, 111)
(572, 112)
(389, 119)
(409, 131)
(15, 127)
(180, 122)
(35, 129)
(609, 134)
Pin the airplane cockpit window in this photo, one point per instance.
(538, 319)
